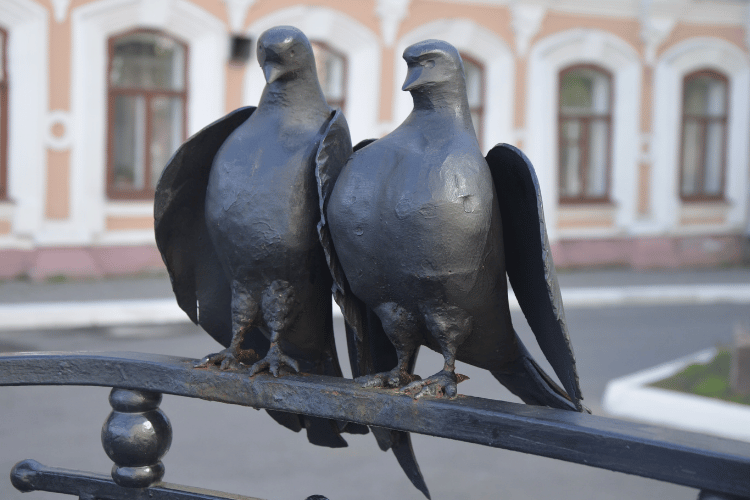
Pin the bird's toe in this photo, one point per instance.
(225, 360)
(443, 383)
(274, 361)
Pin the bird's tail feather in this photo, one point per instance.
(526, 379)
(400, 443)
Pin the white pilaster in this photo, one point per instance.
(391, 13)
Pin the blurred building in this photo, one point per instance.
(635, 114)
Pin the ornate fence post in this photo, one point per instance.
(136, 436)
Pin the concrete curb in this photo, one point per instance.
(80, 314)
(630, 397)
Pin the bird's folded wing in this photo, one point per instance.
(528, 260)
(330, 159)
(198, 282)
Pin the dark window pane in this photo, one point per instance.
(570, 159)
(704, 121)
(584, 91)
(691, 157)
(598, 156)
(166, 133)
(129, 132)
(714, 158)
(148, 61)
(705, 95)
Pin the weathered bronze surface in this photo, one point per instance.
(695, 460)
(235, 217)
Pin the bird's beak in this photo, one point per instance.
(413, 77)
(272, 72)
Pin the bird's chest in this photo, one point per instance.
(262, 187)
(406, 213)
(400, 193)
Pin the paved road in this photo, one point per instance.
(242, 451)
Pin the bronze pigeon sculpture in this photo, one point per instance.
(424, 229)
(236, 212)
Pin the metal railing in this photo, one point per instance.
(719, 468)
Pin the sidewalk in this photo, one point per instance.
(149, 300)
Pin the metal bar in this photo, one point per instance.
(30, 475)
(689, 459)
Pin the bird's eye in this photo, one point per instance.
(291, 53)
(429, 63)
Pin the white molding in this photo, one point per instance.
(61, 9)
(64, 141)
(391, 14)
(486, 47)
(547, 57)
(92, 25)
(726, 12)
(654, 30)
(345, 35)
(674, 64)
(526, 21)
(27, 24)
(129, 209)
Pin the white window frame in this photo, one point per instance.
(27, 25)
(92, 25)
(678, 61)
(546, 59)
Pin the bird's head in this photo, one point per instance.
(284, 52)
(433, 63)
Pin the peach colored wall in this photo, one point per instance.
(681, 32)
(627, 29)
(644, 188)
(647, 98)
(496, 19)
(386, 85)
(5, 227)
(58, 162)
(235, 77)
(361, 10)
(58, 184)
(519, 108)
(129, 223)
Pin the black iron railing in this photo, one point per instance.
(719, 468)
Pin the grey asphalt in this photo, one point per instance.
(240, 450)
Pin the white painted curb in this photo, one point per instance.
(162, 311)
(630, 397)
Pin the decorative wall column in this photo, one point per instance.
(525, 20)
(654, 30)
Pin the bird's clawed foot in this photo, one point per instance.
(228, 359)
(442, 383)
(393, 378)
(273, 362)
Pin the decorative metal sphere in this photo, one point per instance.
(136, 436)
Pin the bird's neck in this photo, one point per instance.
(444, 102)
(299, 94)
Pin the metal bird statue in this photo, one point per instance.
(236, 211)
(423, 229)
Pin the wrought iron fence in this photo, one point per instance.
(137, 434)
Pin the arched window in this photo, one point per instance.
(331, 73)
(585, 130)
(474, 73)
(704, 135)
(3, 115)
(147, 99)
